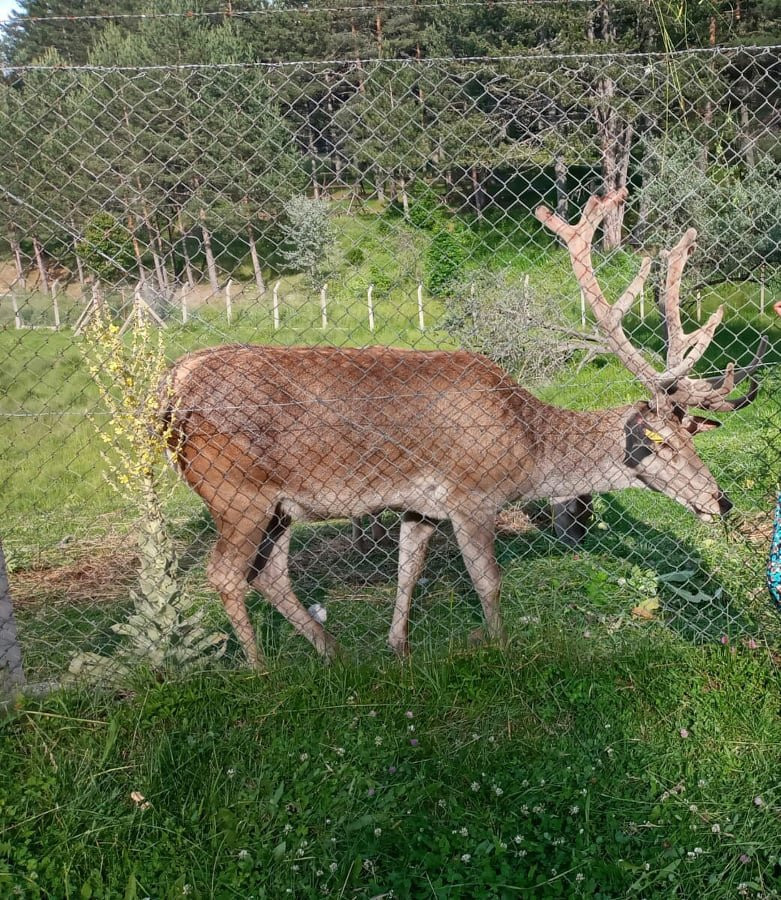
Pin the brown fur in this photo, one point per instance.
(269, 434)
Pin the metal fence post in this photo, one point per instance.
(11, 670)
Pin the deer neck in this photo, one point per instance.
(578, 452)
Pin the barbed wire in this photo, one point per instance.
(303, 10)
(616, 55)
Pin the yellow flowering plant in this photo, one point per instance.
(161, 631)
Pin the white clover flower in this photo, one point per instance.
(333, 867)
(304, 757)
(464, 832)
(377, 832)
(340, 751)
(475, 785)
(498, 791)
(243, 854)
(378, 741)
(716, 829)
(465, 857)
(574, 810)
(580, 877)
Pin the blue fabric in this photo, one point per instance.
(774, 563)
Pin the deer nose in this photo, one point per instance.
(725, 504)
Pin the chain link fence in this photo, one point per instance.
(154, 211)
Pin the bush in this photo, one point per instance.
(736, 213)
(424, 210)
(505, 320)
(309, 237)
(354, 256)
(107, 248)
(445, 260)
(381, 280)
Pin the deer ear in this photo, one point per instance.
(639, 440)
(698, 424)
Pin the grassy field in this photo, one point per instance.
(638, 766)
(601, 755)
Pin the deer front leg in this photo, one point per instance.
(227, 573)
(414, 535)
(475, 536)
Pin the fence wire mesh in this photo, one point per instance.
(152, 211)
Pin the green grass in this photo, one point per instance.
(566, 766)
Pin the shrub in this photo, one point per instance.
(107, 248)
(424, 210)
(354, 256)
(308, 236)
(506, 320)
(381, 280)
(444, 262)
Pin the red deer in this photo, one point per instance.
(272, 435)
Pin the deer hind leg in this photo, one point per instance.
(269, 574)
(414, 536)
(475, 536)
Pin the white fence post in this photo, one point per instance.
(762, 290)
(228, 307)
(324, 306)
(582, 310)
(421, 322)
(275, 306)
(56, 304)
(183, 299)
(371, 307)
(15, 305)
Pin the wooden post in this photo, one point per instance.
(371, 307)
(228, 308)
(56, 304)
(183, 298)
(762, 290)
(17, 317)
(11, 670)
(421, 322)
(324, 306)
(642, 305)
(582, 310)
(275, 306)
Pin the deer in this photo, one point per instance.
(268, 436)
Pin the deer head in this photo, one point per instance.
(659, 450)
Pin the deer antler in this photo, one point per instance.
(683, 350)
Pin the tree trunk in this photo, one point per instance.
(616, 141)
(211, 265)
(16, 249)
(155, 245)
(79, 263)
(562, 198)
(404, 194)
(745, 136)
(188, 266)
(44, 279)
(253, 252)
(313, 162)
(477, 197)
(136, 249)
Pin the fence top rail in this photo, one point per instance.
(619, 55)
